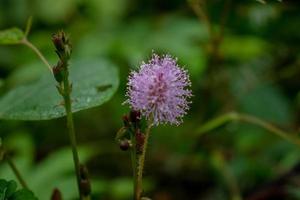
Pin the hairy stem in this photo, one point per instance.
(234, 116)
(141, 163)
(134, 167)
(71, 130)
(16, 171)
(37, 52)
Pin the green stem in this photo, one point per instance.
(16, 171)
(37, 52)
(220, 163)
(233, 116)
(141, 163)
(71, 130)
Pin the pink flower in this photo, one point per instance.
(160, 90)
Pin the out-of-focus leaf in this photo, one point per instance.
(8, 191)
(57, 170)
(251, 47)
(106, 11)
(23, 195)
(94, 82)
(267, 102)
(11, 36)
(54, 11)
(26, 74)
(260, 16)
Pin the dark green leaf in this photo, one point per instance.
(94, 82)
(11, 36)
(8, 191)
(23, 195)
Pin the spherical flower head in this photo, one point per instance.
(159, 90)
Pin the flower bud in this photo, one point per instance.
(124, 145)
(126, 121)
(56, 195)
(62, 45)
(58, 40)
(58, 72)
(135, 116)
(85, 185)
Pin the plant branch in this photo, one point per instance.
(64, 87)
(37, 52)
(234, 116)
(199, 10)
(16, 171)
(71, 130)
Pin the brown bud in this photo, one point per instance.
(58, 40)
(85, 185)
(56, 195)
(58, 72)
(62, 45)
(135, 116)
(84, 173)
(124, 145)
(126, 121)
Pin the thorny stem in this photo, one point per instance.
(141, 162)
(37, 52)
(70, 125)
(234, 116)
(16, 171)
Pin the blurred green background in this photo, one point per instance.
(249, 63)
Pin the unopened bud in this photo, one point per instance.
(85, 185)
(58, 72)
(124, 145)
(56, 195)
(135, 116)
(126, 121)
(58, 40)
(62, 45)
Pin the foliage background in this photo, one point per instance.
(255, 71)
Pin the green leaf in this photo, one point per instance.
(8, 191)
(23, 195)
(11, 36)
(94, 82)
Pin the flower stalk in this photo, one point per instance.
(64, 87)
(141, 163)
